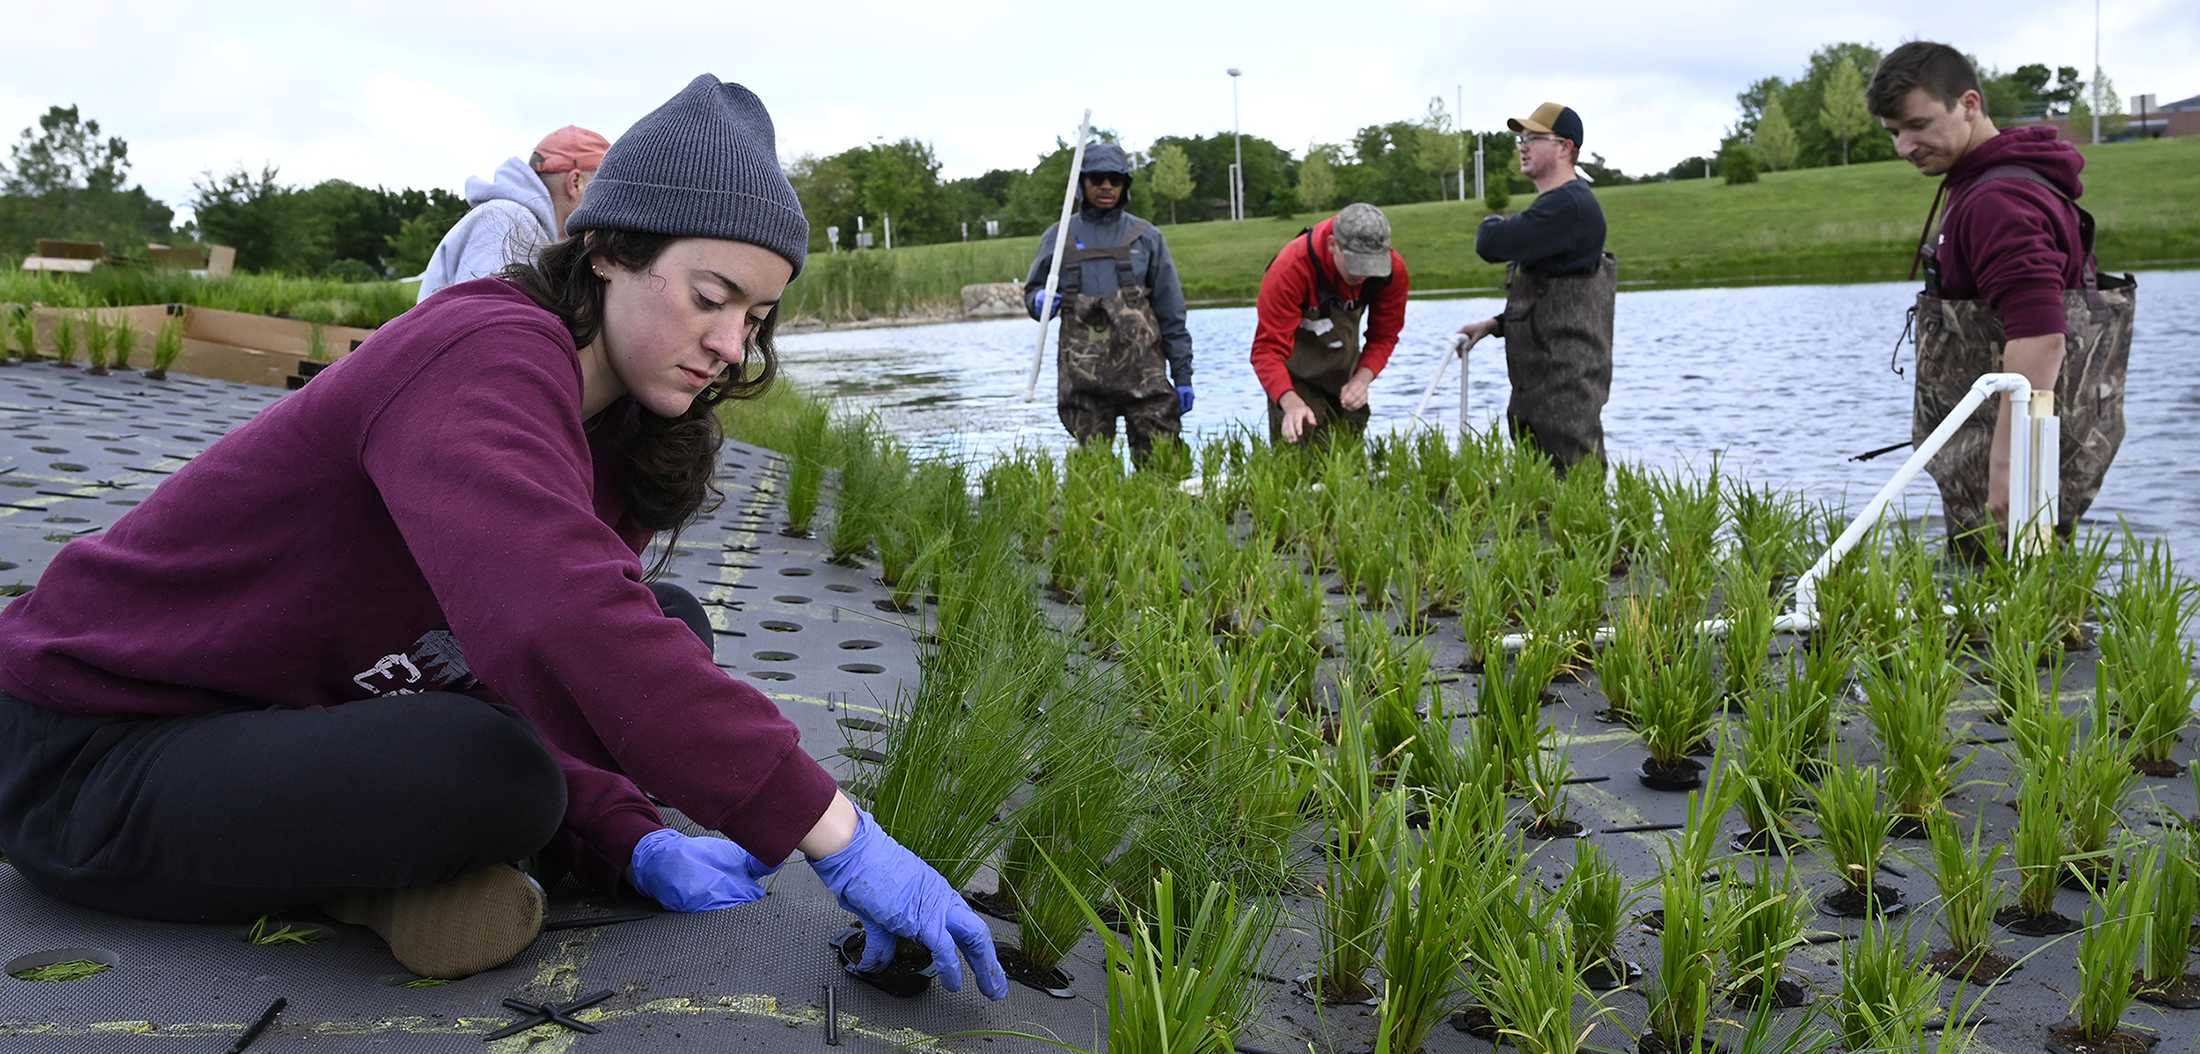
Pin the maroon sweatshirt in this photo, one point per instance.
(428, 514)
(2012, 242)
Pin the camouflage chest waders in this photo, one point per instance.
(1325, 350)
(1111, 361)
(1959, 340)
(1558, 351)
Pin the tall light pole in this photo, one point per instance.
(1237, 136)
(1459, 106)
(2095, 87)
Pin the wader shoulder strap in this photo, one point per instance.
(1120, 253)
(2089, 267)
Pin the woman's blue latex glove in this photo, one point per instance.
(1184, 398)
(696, 874)
(897, 895)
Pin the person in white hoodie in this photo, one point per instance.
(516, 211)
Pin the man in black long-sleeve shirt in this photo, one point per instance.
(1560, 292)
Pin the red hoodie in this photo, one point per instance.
(2012, 242)
(1289, 287)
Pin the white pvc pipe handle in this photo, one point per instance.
(1061, 239)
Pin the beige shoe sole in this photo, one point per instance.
(476, 921)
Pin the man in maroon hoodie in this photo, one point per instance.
(2010, 287)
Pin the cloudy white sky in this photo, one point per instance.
(424, 94)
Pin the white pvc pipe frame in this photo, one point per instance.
(2035, 485)
(1061, 240)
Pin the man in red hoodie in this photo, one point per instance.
(2010, 287)
(1307, 349)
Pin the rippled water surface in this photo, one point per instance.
(1783, 383)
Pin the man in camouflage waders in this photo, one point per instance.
(1124, 350)
(1307, 348)
(2010, 286)
(1561, 289)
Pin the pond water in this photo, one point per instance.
(1782, 383)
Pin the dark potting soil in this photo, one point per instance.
(1907, 827)
(892, 608)
(2164, 767)
(2072, 1041)
(1610, 716)
(994, 904)
(1851, 903)
(906, 976)
(1652, 1043)
(1685, 774)
(1477, 1021)
(2180, 994)
(1337, 993)
(1786, 995)
(2087, 876)
(2052, 924)
(1764, 842)
(1652, 921)
(1980, 967)
(1602, 977)
(1546, 832)
(1023, 971)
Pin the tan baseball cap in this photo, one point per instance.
(1550, 119)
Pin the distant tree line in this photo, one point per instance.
(1820, 118)
(65, 179)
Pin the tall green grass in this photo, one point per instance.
(362, 304)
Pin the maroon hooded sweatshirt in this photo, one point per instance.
(2011, 242)
(428, 515)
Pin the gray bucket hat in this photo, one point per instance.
(703, 165)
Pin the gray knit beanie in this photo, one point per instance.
(703, 165)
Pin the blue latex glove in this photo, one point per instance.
(1184, 398)
(696, 874)
(1041, 306)
(897, 895)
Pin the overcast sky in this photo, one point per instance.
(425, 94)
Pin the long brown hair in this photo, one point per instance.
(670, 461)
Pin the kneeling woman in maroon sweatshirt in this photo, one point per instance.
(394, 632)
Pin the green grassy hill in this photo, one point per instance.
(1851, 224)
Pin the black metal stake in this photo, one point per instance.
(832, 1017)
(268, 1018)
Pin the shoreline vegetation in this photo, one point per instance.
(1854, 223)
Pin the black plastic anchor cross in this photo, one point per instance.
(549, 1014)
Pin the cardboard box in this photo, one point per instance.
(220, 345)
(58, 249)
(213, 261)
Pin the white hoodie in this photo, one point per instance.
(511, 217)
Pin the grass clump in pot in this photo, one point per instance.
(25, 329)
(1853, 831)
(2037, 848)
(1357, 858)
(1767, 771)
(1508, 713)
(2146, 663)
(1886, 994)
(125, 343)
(64, 340)
(2100, 776)
(1084, 802)
(1181, 982)
(1442, 878)
(1696, 931)
(1907, 698)
(1769, 912)
(2175, 899)
(1749, 608)
(97, 339)
(2116, 925)
(1597, 898)
(1676, 703)
(1963, 870)
(1527, 977)
(167, 348)
(809, 451)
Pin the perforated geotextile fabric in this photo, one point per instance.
(816, 637)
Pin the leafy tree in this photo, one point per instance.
(1284, 203)
(1774, 137)
(1495, 195)
(2105, 101)
(1171, 178)
(1739, 162)
(1438, 144)
(1317, 179)
(1601, 174)
(259, 218)
(63, 180)
(1844, 112)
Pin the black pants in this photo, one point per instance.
(231, 815)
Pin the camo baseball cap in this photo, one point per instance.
(1362, 234)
